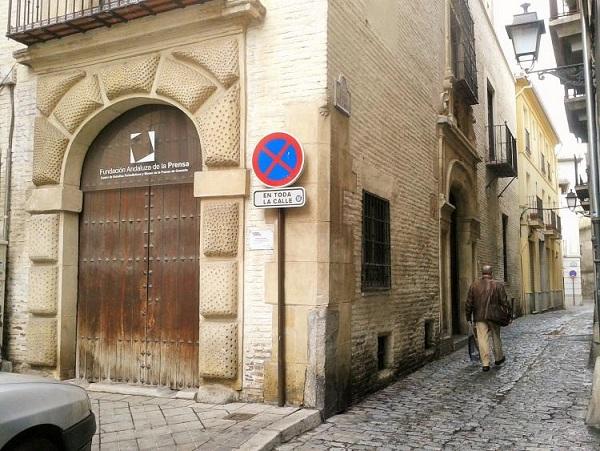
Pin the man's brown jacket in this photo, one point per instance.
(484, 297)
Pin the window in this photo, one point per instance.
(527, 142)
(383, 352)
(505, 246)
(549, 172)
(376, 260)
(462, 31)
(429, 334)
(490, 120)
(543, 162)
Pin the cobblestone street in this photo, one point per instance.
(537, 400)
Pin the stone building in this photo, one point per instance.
(132, 250)
(476, 128)
(571, 163)
(541, 227)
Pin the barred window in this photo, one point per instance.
(376, 261)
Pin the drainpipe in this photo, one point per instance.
(6, 213)
(594, 186)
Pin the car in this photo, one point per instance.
(43, 414)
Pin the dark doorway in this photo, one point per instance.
(137, 312)
(454, 269)
(490, 120)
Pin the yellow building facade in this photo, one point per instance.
(540, 240)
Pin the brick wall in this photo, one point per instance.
(18, 263)
(392, 55)
(493, 67)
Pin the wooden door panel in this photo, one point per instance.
(173, 294)
(112, 279)
(133, 253)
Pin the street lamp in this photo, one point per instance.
(572, 200)
(525, 33)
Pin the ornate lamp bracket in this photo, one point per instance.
(571, 75)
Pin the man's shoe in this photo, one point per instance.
(485, 368)
(501, 361)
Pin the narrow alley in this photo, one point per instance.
(536, 400)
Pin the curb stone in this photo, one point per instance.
(283, 430)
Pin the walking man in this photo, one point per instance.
(486, 306)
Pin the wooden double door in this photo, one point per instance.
(138, 286)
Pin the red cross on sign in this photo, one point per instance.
(278, 160)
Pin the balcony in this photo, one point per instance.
(552, 224)
(583, 194)
(576, 112)
(501, 151)
(34, 21)
(464, 63)
(536, 212)
(565, 31)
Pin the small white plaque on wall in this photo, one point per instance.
(260, 239)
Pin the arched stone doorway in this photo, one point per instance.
(203, 82)
(137, 312)
(459, 234)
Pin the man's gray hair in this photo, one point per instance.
(486, 270)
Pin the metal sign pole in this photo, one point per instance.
(281, 306)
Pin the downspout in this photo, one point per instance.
(6, 212)
(592, 151)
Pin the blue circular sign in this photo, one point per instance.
(573, 273)
(278, 160)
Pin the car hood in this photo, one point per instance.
(15, 378)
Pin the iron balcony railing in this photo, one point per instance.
(463, 50)
(562, 8)
(502, 151)
(536, 208)
(550, 220)
(33, 21)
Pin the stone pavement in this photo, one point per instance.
(537, 400)
(132, 422)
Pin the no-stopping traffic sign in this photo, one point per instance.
(278, 160)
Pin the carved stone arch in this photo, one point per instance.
(78, 146)
(461, 180)
(56, 202)
(458, 234)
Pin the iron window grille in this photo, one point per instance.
(463, 50)
(376, 255)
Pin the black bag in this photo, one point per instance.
(473, 346)
(502, 314)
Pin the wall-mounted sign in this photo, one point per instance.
(280, 198)
(573, 273)
(260, 239)
(278, 160)
(342, 96)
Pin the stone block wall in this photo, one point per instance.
(392, 56)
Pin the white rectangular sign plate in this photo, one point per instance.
(260, 239)
(280, 198)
